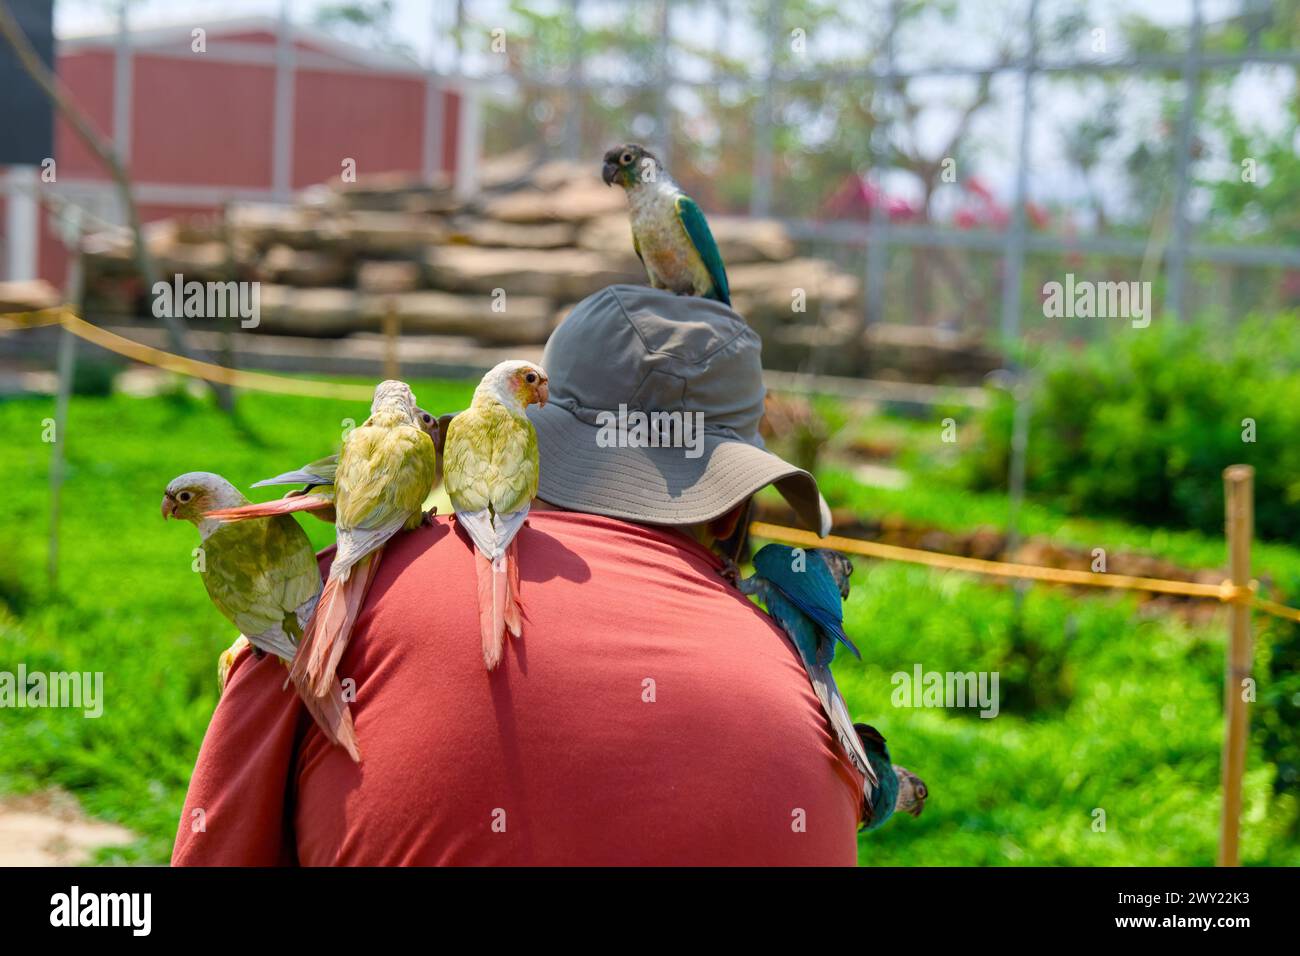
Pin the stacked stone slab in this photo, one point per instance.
(502, 267)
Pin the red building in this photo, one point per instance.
(237, 109)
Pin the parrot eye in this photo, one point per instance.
(625, 159)
(426, 418)
(184, 496)
(531, 378)
(922, 792)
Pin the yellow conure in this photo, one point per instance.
(317, 495)
(385, 471)
(490, 468)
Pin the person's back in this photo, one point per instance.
(649, 715)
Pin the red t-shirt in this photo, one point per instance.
(649, 715)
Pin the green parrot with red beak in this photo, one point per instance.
(669, 232)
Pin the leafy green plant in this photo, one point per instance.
(1276, 713)
(1142, 426)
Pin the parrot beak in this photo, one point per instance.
(608, 172)
(168, 507)
(543, 393)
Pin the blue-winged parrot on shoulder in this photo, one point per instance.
(900, 790)
(804, 592)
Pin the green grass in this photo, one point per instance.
(934, 496)
(127, 604)
(1103, 707)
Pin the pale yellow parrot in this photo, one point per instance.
(262, 575)
(490, 467)
(386, 470)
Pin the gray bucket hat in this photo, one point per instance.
(634, 374)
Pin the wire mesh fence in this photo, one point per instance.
(962, 156)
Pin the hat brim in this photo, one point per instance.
(662, 485)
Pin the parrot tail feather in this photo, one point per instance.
(330, 627)
(266, 509)
(837, 712)
(334, 719)
(514, 621)
(493, 587)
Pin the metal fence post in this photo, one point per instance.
(1013, 264)
(573, 115)
(760, 196)
(1013, 256)
(1177, 263)
(282, 133)
(878, 235)
(663, 83)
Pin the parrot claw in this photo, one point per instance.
(227, 660)
(430, 515)
(729, 571)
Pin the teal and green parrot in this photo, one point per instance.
(263, 577)
(491, 470)
(669, 232)
(316, 497)
(900, 790)
(803, 591)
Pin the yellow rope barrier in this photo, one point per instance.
(1225, 592)
(260, 381)
(208, 371)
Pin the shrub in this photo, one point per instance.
(94, 377)
(1142, 426)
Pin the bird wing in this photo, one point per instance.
(490, 460)
(812, 590)
(291, 565)
(697, 229)
(514, 472)
(802, 631)
(383, 477)
(317, 473)
(259, 572)
(466, 462)
(490, 469)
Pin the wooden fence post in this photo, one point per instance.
(1239, 513)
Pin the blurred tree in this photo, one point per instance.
(366, 22)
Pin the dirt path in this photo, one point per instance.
(50, 829)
